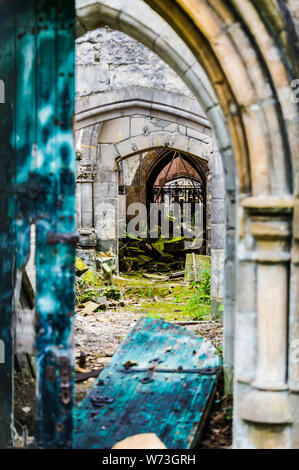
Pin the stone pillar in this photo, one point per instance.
(263, 409)
(293, 350)
(106, 200)
(272, 237)
(85, 179)
(218, 230)
(86, 171)
(223, 240)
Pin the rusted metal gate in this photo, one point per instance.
(37, 186)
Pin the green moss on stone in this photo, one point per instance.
(80, 265)
(92, 278)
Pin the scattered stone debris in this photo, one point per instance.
(155, 277)
(92, 278)
(162, 255)
(90, 307)
(102, 302)
(80, 266)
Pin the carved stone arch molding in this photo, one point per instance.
(239, 63)
(98, 157)
(128, 101)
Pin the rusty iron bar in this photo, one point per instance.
(69, 238)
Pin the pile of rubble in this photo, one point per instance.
(94, 285)
(152, 255)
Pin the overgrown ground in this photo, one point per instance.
(99, 334)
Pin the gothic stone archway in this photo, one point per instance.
(241, 50)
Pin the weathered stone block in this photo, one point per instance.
(138, 126)
(218, 190)
(218, 211)
(87, 238)
(91, 79)
(86, 204)
(108, 154)
(115, 130)
(217, 236)
(246, 297)
(86, 219)
(245, 346)
(156, 125)
(87, 256)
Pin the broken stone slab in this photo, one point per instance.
(102, 302)
(177, 274)
(141, 441)
(107, 272)
(89, 308)
(103, 258)
(155, 277)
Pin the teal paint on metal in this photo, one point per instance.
(7, 216)
(55, 261)
(37, 186)
(167, 392)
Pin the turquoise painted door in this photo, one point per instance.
(37, 169)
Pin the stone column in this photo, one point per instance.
(85, 179)
(218, 230)
(293, 351)
(106, 200)
(262, 392)
(294, 308)
(85, 217)
(272, 237)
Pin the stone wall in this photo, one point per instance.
(108, 59)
